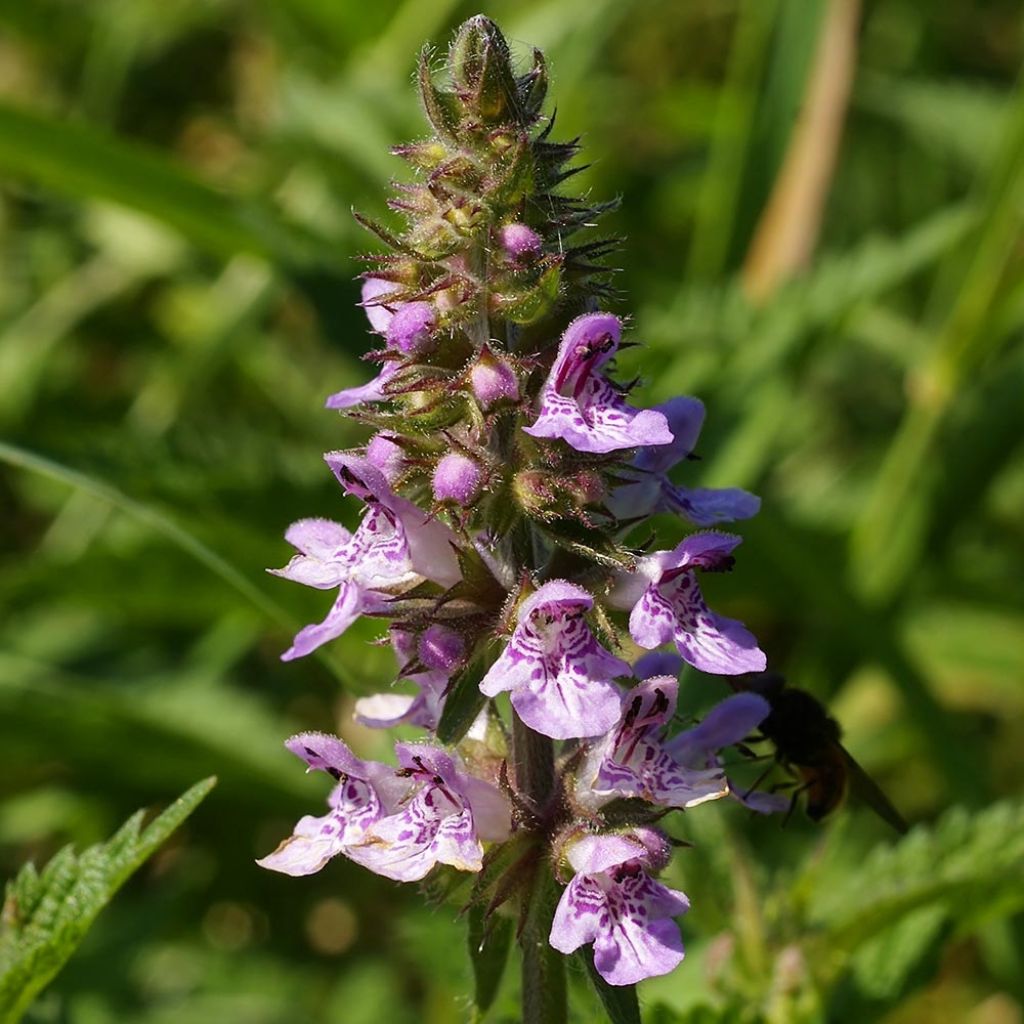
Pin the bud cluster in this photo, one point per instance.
(504, 473)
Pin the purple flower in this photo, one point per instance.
(386, 710)
(410, 330)
(393, 549)
(614, 904)
(372, 391)
(365, 792)
(650, 490)
(728, 722)
(559, 675)
(375, 292)
(432, 546)
(580, 405)
(667, 605)
(374, 300)
(633, 761)
(443, 821)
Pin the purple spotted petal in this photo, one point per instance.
(438, 825)
(632, 761)
(580, 406)
(430, 546)
(708, 641)
(621, 910)
(559, 675)
(667, 605)
(365, 791)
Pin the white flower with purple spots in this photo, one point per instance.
(365, 792)
(581, 406)
(444, 819)
(633, 761)
(613, 903)
(393, 549)
(649, 489)
(667, 604)
(559, 675)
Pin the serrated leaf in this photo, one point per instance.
(46, 915)
(462, 704)
(619, 1001)
(969, 865)
(490, 938)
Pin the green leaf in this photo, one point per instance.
(490, 938)
(882, 965)
(81, 161)
(968, 864)
(46, 915)
(463, 704)
(619, 1001)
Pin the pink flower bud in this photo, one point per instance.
(457, 479)
(521, 244)
(382, 453)
(493, 380)
(410, 330)
(442, 649)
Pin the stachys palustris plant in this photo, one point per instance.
(505, 472)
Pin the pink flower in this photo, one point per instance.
(580, 405)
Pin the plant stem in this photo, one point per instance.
(543, 969)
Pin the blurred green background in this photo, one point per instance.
(842, 289)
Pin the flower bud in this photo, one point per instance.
(457, 479)
(532, 492)
(481, 69)
(410, 330)
(659, 849)
(382, 453)
(521, 243)
(493, 380)
(442, 649)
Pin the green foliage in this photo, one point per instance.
(969, 865)
(46, 914)
(619, 1001)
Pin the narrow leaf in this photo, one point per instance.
(620, 1001)
(490, 938)
(78, 160)
(462, 705)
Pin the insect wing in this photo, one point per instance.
(866, 789)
